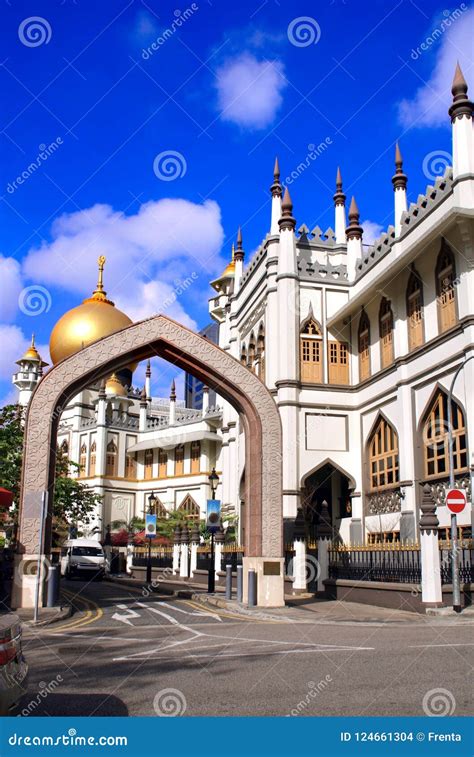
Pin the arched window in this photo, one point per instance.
(383, 457)
(435, 438)
(160, 510)
(148, 463)
(261, 352)
(311, 351)
(189, 508)
(445, 288)
(414, 311)
(243, 355)
(195, 457)
(111, 459)
(364, 346)
(179, 460)
(386, 333)
(251, 357)
(92, 458)
(162, 464)
(83, 460)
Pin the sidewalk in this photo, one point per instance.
(306, 609)
(46, 615)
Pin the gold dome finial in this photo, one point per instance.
(99, 294)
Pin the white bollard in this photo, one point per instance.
(299, 564)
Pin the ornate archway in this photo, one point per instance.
(199, 356)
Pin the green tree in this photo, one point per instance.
(74, 501)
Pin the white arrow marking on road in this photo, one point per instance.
(186, 612)
(169, 617)
(125, 618)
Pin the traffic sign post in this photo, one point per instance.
(212, 523)
(456, 502)
(150, 533)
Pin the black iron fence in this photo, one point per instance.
(160, 558)
(465, 561)
(392, 563)
(231, 555)
(203, 560)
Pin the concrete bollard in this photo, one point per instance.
(52, 586)
(228, 581)
(240, 583)
(252, 588)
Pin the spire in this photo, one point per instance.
(461, 104)
(275, 188)
(148, 368)
(339, 197)
(239, 253)
(143, 398)
(354, 230)
(102, 393)
(173, 392)
(99, 294)
(287, 221)
(399, 179)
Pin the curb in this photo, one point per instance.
(63, 613)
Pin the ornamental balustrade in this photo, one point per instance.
(383, 502)
(391, 563)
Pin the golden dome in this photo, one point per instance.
(32, 353)
(95, 318)
(230, 269)
(115, 386)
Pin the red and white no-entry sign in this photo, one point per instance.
(456, 500)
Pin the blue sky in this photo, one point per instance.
(154, 129)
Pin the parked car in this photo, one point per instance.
(13, 666)
(83, 557)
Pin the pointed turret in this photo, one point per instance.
(148, 380)
(287, 221)
(461, 112)
(29, 373)
(239, 256)
(339, 210)
(399, 181)
(239, 253)
(276, 192)
(354, 230)
(461, 104)
(354, 240)
(172, 416)
(173, 391)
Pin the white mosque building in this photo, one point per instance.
(359, 345)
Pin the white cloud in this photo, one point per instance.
(145, 28)
(250, 91)
(10, 276)
(372, 231)
(164, 241)
(430, 103)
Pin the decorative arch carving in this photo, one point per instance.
(161, 336)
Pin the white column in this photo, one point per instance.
(299, 564)
(218, 544)
(399, 181)
(184, 562)
(276, 193)
(431, 592)
(323, 561)
(354, 241)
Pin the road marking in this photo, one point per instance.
(125, 617)
(186, 612)
(172, 620)
(79, 622)
(425, 646)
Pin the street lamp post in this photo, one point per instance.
(151, 510)
(211, 576)
(454, 522)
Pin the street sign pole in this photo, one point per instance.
(456, 501)
(454, 522)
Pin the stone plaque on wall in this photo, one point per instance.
(326, 432)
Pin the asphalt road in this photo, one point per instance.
(126, 654)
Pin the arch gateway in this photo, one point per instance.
(259, 416)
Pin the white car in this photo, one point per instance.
(83, 557)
